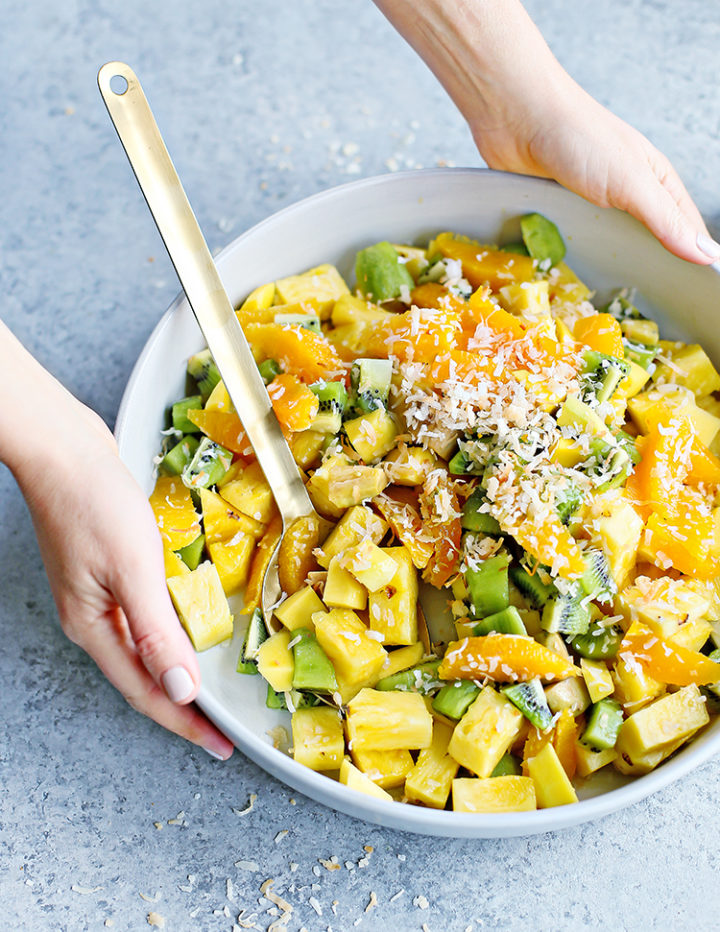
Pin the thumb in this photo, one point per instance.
(160, 641)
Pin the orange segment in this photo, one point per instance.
(704, 465)
(175, 514)
(563, 739)
(505, 658)
(225, 428)
(303, 352)
(665, 462)
(551, 543)
(260, 560)
(685, 539)
(665, 661)
(601, 332)
(295, 406)
(419, 335)
(399, 507)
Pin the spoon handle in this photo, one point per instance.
(139, 134)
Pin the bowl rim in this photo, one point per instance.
(318, 786)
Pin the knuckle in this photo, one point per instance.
(151, 648)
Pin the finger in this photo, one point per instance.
(159, 639)
(112, 648)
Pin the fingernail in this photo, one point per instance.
(708, 246)
(213, 754)
(177, 683)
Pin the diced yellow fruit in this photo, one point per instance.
(318, 738)
(531, 619)
(322, 285)
(393, 610)
(175, 514)
(485, 732)
(692, 368)
(567, 286)
(251, 494)
(655, 402)
(174, 564)
(357, 658)
(355, 779)
(385, 768)
(275, 661)
(259, 299)
(306, 447)
(588, 760)
(356, 524)
(567, 453)
(641, 765)
(556, 644)
(569, 694)
(530, 299)
(666, 605)
(409, 465)
(552, 786)
(349, 310)
(634, 688)
(232, 561)
(342, 590)
(692, 635)
(634, 381)
(465, 627)
(564, 334)
(372, 435)
(222, 522)
(430, 780)
(443, 441)
(568, 416)
(339, 484)
(493, 794)
(597, 678)
(298, 609)
(402, 658)
(202, 606)
(385, 721)
(673, 717)
(369, 564)
(219, 399)
(414, 258)
(617, 527)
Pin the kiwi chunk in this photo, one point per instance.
(177, 458)
(601, 376)
(455, 698)
(603, 726)
(530, 699)
(566, 614)
(268, 369)
(179, 414)
(192, 554)
(332, 400)
(506, 621)
(532, 587)
(422, 678)
(488, 585)
(305, 321)
(475, 520)
(370, 380)
(507, 766)
(313, 669)
(202, 368)
(599, 642)
(208, 465)
(298, 700)
(380, 274)
(542, 239)
(567, 501)
(255, 634)
(597, 580)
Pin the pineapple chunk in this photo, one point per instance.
(567, 452)
(232, 560)
(552, 786)
(251, 494)
(665, 605)
(409, 465)
(339, 484)
(636, 767)
(318, 739)
(494, 794)
(386, 721)
(298, 609)
(674, 717)
(588, 760)
(617, 528)
(372, 567)
(385, 768)
(431, 779)
(306, 448)
(634, 381)
(598, 679)
(566, 287)
(530, 299)
(259, 299)
(342, 590)
(355, 525)
(321, 286)
(691, 368)
(569, 694)
(372, 435)
(219, 399)
(220, 522)
(275, 661)
(174, 564)
(633, 686)
(349, 310)
(393, 610)
(485, 732)
(656, 402)
(692, 635)
(402, 658)
(202, 606)
(355, 779)
(357, 658)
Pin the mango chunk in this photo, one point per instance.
(202, 607)
(318, 739)
(485, 732)
(493, 794)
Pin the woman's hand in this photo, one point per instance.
(527, 115)
(102, 551)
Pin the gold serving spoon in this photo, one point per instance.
(139, 134)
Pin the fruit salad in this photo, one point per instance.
(469, 419)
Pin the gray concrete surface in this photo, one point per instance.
(104, 818)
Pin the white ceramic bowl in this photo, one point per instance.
(606, 248)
